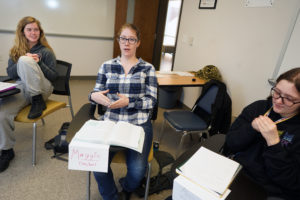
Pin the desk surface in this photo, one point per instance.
(176, 80)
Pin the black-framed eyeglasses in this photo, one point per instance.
(123, 40)
(286, 101)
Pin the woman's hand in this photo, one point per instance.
(101, 98)
(35, 57)
(120, 103)
(267, 128)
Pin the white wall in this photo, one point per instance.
(244, 43)
(80, 32)
(69, 17)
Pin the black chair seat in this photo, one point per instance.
(185, 120)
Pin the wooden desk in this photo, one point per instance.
(174, 80)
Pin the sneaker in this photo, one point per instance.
(5, 158)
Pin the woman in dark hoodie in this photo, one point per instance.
(265, 139)
(32, 65)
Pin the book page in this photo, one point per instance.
(127, 135)
(210, 170)
(183, 189)
(95, 131)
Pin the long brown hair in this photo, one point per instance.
(21, 46)
(293, 76)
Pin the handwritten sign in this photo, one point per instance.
(88, 156)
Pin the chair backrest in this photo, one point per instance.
(61, 84)
(208, 99)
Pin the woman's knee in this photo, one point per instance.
(137, 170)
(26, 60)
(100, 175)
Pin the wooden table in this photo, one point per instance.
(175, 80)
(171, 79)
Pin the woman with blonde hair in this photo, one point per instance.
(32, 65)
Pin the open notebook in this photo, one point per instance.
(210, 171)
(4, 86)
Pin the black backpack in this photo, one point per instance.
(58, 144)
(162, 181)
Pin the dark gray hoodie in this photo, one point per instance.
(47, 63)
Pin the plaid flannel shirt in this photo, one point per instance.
(139, 85)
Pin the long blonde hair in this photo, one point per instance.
(21, 46)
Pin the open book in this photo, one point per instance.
(211, 171)
(112, 133)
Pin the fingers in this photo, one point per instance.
(101, 98)
(122, 102)
(35, 57)
(265, 123)
(105, 91)
(254, 125)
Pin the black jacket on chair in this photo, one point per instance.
(221, 109)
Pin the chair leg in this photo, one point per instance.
(34, 144)
(43, 121)
(71, 107)
(148, 181)
(88, 186)
(180, 144)
(161, 133)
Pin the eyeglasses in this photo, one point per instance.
(123, 40)
(32, 29)
(286, 101)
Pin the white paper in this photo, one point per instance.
(184, 73)
(210, 170)
(88, 156)
(165, 72)
(183, 189)
(258, 3)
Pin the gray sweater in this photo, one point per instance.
(47, 63)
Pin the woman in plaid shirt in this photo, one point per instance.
(127, 86)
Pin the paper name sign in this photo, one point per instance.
(88, 156)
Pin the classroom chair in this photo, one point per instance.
(61, 87)
(198, 119)
(120, 157)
